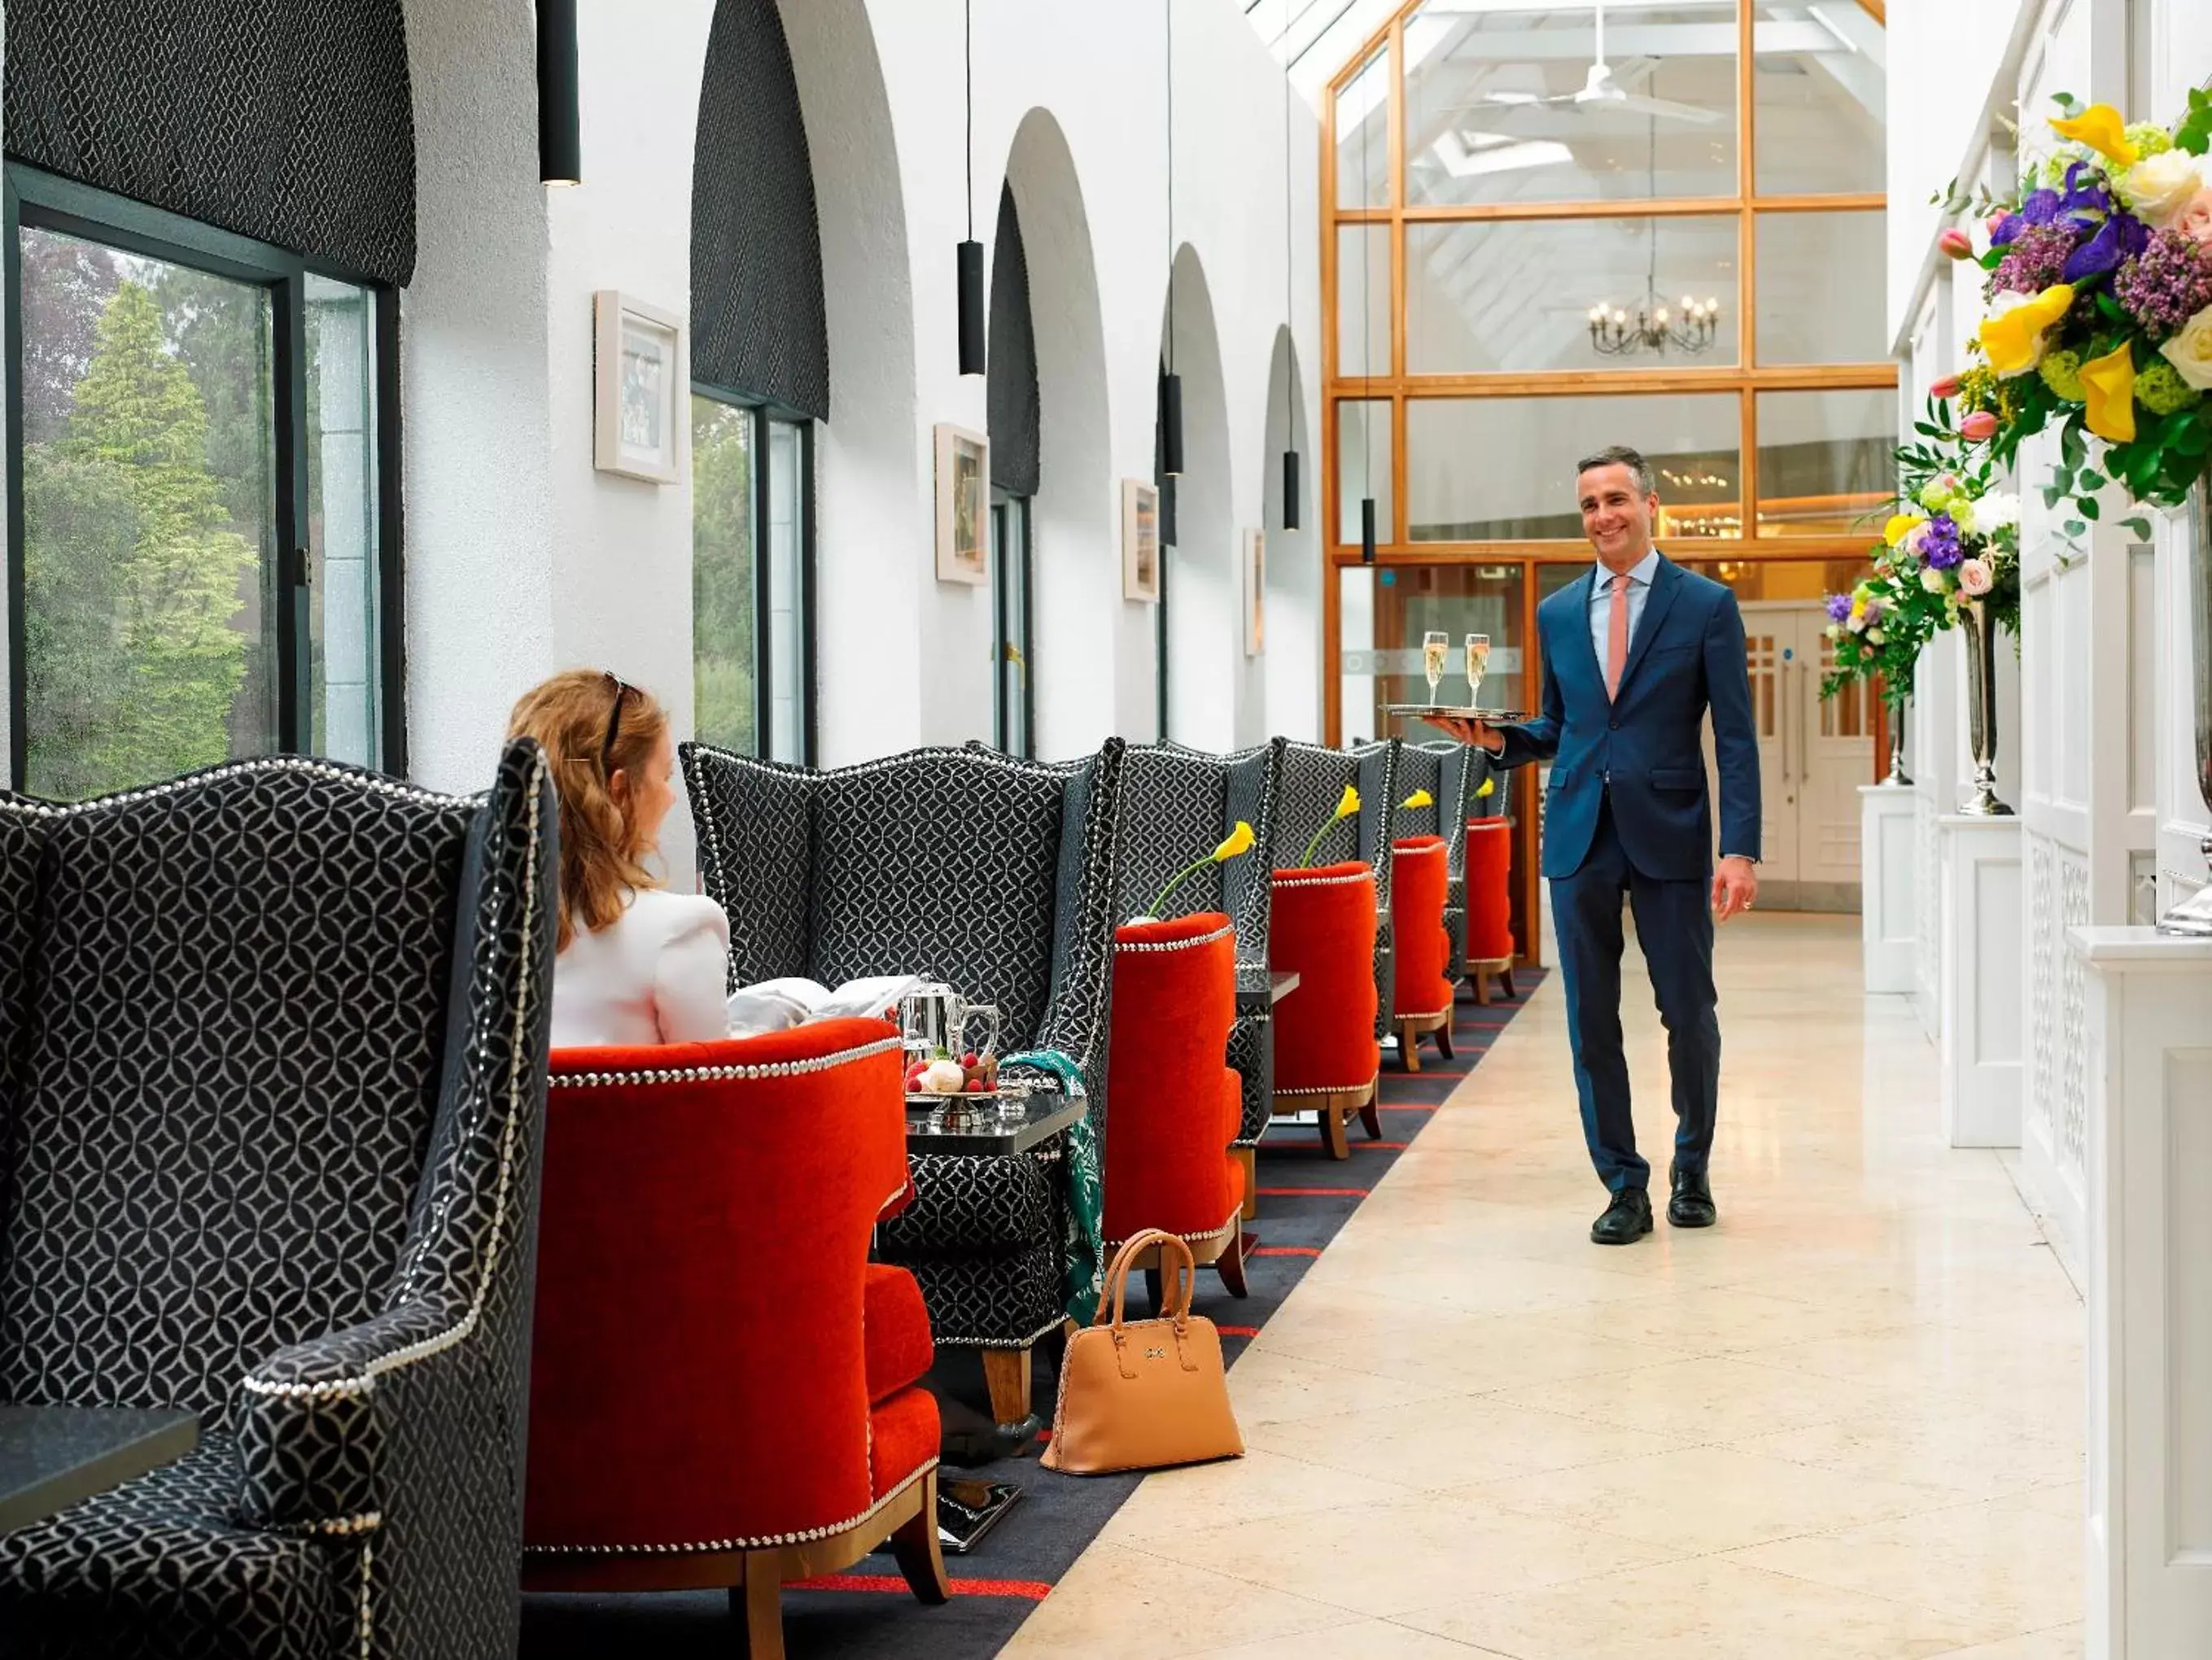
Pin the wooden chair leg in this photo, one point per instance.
(1332, 1130)
(757, 1605)
(1250, 1158)
(1231, 1265)
(1444, 1039)
(1409, 1047)
(1007, 1376)
(1156, 1287)
(915, 1547)
(1370, 1113)
(1482, 988)
(1507, 977)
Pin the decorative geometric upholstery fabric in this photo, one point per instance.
(160, 1566)
(1010, 391)
(759, 324)
(322, 999)
(1252, 1052)
(289, 121)
(996, 876)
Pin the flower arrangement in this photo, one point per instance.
(1953, 539)
(1347, 805)
(2100, 309)
(1234, 845)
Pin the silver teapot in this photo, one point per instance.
(935, 1020)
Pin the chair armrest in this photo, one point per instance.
(311, 1437)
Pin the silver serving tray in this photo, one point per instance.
(1446, 711)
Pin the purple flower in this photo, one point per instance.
(2034, 260)
(2165, 285)
(2080, 197)
(1939, 543)
(2041, 207)
(1839, 608)
(2004, 228)
(2117, 239)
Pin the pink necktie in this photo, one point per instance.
(1616, 638)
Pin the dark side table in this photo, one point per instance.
(52, 1457)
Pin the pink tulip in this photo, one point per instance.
(1957, 243)
(1996, 221)
(1978, 428)
(1947, 387)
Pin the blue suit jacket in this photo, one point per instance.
(1645, 749)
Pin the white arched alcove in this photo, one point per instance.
(873, 550)
(1205, 622)
(1075, 559)
(1292, 665)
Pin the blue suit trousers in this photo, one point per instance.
(1674, 926)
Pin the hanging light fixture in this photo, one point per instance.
(1650, 326)
(1171, 382)
(1290, 310)
(974, 312)
(560, 121)
(1366, 358)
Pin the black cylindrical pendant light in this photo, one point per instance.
(973, 311)
(1366, 530)
(1290, 489)
(560, 125)
(1171, 424)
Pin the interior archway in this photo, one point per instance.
(1205, 624)
(1290, 674)
(1076, 558)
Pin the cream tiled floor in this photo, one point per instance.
(1845, 1425)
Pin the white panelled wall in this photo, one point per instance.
(2104, 1026)
(517, 566)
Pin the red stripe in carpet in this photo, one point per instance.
(1312, 1193)
(1034, 1590)
(1284, 1251)
(1239, 1331)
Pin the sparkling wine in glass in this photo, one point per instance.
(1477, 664)
(1434, 644)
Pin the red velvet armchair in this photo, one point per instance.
(1421, 990)
(1489, 905)
(1173, 1107)
(723, 1388)
(1326, 1058)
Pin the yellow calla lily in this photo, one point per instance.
(1418, 799)
(2110, 384)
(1489, 788)
(1901, 526)
(1238, 841)
(2101, 129)
(1348, 803)
(2013, 340)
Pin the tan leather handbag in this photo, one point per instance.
(1140, 1394)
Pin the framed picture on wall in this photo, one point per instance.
(963, 506)
(641, 386)
(1140, 541)
(1255, 593)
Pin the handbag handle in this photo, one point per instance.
(1177, 1308)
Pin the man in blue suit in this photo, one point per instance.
(1635, 652)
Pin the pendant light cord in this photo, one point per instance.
(969, 34)
(1366, 317)
(1167, 17)
(1290, 271)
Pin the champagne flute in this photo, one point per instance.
(1434, 644)
(1477, 664)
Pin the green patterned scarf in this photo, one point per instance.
(1082, 1243)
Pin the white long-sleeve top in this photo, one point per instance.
(658, 973)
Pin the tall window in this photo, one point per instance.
(753, 539)
(203, 566)
(1010, 596)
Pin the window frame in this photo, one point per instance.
(765, 415)
(32, 197)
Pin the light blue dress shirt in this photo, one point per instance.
(1640, 578)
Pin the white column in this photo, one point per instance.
(1889, 855)
(1980, 980)
(2147, 1495)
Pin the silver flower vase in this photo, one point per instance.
(1980, 630)
(1898, 778)
(2194, 916)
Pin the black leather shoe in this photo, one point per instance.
(1627, 1219)
(1692, 1206)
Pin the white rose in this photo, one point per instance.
(1876, 637)
(2160, 187)
(2190, 351)
(1999, 510)
(1932, 580)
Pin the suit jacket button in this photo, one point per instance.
(1613, 726)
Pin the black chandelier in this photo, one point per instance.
(1618, 331)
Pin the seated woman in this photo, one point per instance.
(637, 964)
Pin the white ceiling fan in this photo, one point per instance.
(1601, 89)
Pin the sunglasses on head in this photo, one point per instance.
(622, 690)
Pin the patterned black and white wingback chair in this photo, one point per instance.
(274, 1041)
(994, 875)
(1451, 773)
(1314, 778)
(1176, 803)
